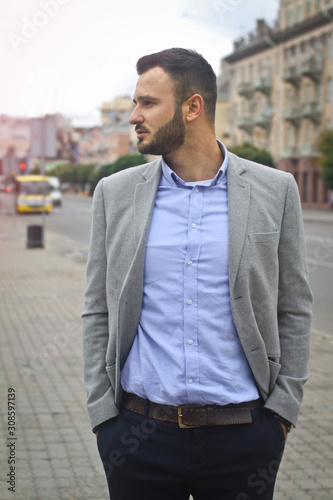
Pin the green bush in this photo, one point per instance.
(122, 163)
(250, 152)
(325, 147)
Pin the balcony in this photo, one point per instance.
(309, 150)
(263, 84)
(263, 119)
(311, 111)
(245, 123)
(312, 69)
(245, 89)
(293, 115)
(292, 75)
(291, 152)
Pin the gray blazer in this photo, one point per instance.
(269, 291)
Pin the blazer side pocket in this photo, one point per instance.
(111, 370)
(274, 369)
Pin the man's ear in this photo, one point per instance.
(193, 107)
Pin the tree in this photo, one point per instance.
(325, 147)
(122, 163)
(250, 152)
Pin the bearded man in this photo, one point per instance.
(197, 319)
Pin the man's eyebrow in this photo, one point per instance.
(145, 98)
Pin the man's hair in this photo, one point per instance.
(190, 73)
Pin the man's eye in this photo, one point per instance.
(148, 103)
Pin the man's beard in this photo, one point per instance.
(168, 138)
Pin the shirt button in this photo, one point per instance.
(196, 190)
(190, 302)
(190, 380)
(190, 341)
(193, 224)
(190, 263)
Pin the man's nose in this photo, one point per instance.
(135, 117)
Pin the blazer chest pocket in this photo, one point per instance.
(271, 237)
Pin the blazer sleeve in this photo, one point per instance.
(294, 311)
(100, 394)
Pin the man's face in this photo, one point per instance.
(158, 122)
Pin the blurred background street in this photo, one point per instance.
(66, 95)
(41, 300)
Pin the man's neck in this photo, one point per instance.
(196, 161)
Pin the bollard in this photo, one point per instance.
(35, 237)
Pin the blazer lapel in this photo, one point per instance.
(131, 294)
(144, 198)
(238, 209)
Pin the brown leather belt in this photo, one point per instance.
(188, 416)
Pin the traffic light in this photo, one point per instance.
(23, 167)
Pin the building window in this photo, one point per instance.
(298, 56)
(289, 136)
(308, 6)
(308, 50)
(318, 2)
(290, 96)
(299, 12)
(251, 72)
(330, 44)
(259, 104)
(329, 89)
(298, 97)
(319, 49)
(260, 68)
(308, 133)
(277, 64)
(288, 57)
(318, 92)
(290, 17)
(268, 67)
(277, 135)
(308, 92)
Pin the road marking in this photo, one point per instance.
(320, 263)
(317, 239)
(322, 335)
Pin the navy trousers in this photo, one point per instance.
(147, 459)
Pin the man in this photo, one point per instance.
(197, 310)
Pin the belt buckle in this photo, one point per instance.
(180, 415)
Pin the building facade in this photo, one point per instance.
(107, 143)
(281, 91)
(14, 144)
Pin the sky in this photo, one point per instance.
(70, 56)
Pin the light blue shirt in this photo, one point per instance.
(187, 350)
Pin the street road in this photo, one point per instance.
(72, 220)
(319, 242)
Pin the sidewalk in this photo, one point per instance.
(41, 300)
(311, 215)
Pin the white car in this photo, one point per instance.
(55, 191)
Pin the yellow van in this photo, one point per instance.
(33, 193)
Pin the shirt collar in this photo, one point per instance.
(172, 178)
